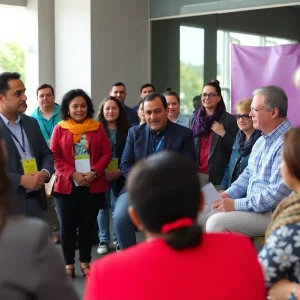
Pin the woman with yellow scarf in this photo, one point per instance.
(280, 256)
(82, 152)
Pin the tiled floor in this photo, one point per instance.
(79, 280)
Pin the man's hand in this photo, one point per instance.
(225, 205)
(114, 175)
(224, 195)
(32, 181)
(43, 175)
(79, 179)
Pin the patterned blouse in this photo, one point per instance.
(280, 256)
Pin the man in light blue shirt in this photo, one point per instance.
(248, 204)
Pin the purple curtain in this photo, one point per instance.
(254, 67)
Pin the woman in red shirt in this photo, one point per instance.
(82, 152)
(214, 131)
(177, 261)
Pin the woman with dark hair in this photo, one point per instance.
(31, 266)
(176, 257)
(82, 153)
(280, 256)
(214, 131)
(174, 115)
(140, 112)
(111, 115)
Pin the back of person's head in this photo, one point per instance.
(45, 86)
(170, 92)
(165, 194)
(153, 96)
(146, 85)
(244, 105)
(275, 97)
(216, 85)
(5, 185)
(291, 151)
(5, 77)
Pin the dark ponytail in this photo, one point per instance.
(165, 193)
(185, 237)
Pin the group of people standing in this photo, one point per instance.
(92, 156)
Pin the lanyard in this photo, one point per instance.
(51, 128)
(158, 145)
(16, 139)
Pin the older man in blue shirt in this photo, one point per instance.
(247, 205)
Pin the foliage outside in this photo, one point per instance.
(12, 58)
(191, 83)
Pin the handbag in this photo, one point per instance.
(49, 186)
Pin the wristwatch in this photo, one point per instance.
(292, 295)
(95, 173)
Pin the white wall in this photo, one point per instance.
(120, 46)
(72, 46)
(39, 48)
(14, 2)
(31, 53)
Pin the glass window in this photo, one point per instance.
(12, 54)
(191, 66)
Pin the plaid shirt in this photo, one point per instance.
(260, 187)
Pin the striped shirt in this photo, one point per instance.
(260, 187)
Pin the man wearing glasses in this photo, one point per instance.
(247, 205)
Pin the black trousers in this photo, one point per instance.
(78, 209)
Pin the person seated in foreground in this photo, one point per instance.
(31, 266)
(280, 256)
(177, 261)
(247, 205)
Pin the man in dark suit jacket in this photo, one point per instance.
(156, 135)
(118, 90)
(30, 161)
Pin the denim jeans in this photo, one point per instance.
(78, 209)
(123, 226)
(103, 214)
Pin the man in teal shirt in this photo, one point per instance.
(47, 115)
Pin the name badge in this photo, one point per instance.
(113, 165)
(82, 163)
(29, 165)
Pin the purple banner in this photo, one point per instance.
(254, 67)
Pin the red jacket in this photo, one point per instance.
(64, 164)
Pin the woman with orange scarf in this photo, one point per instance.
(82, 153)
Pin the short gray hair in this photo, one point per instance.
(275, 96)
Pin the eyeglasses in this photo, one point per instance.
(243, 117)
(209, 96)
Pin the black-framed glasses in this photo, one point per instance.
(243, 117)
(209, 96)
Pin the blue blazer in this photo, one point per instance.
(131, 116)
(176, 138)
(234, 158)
